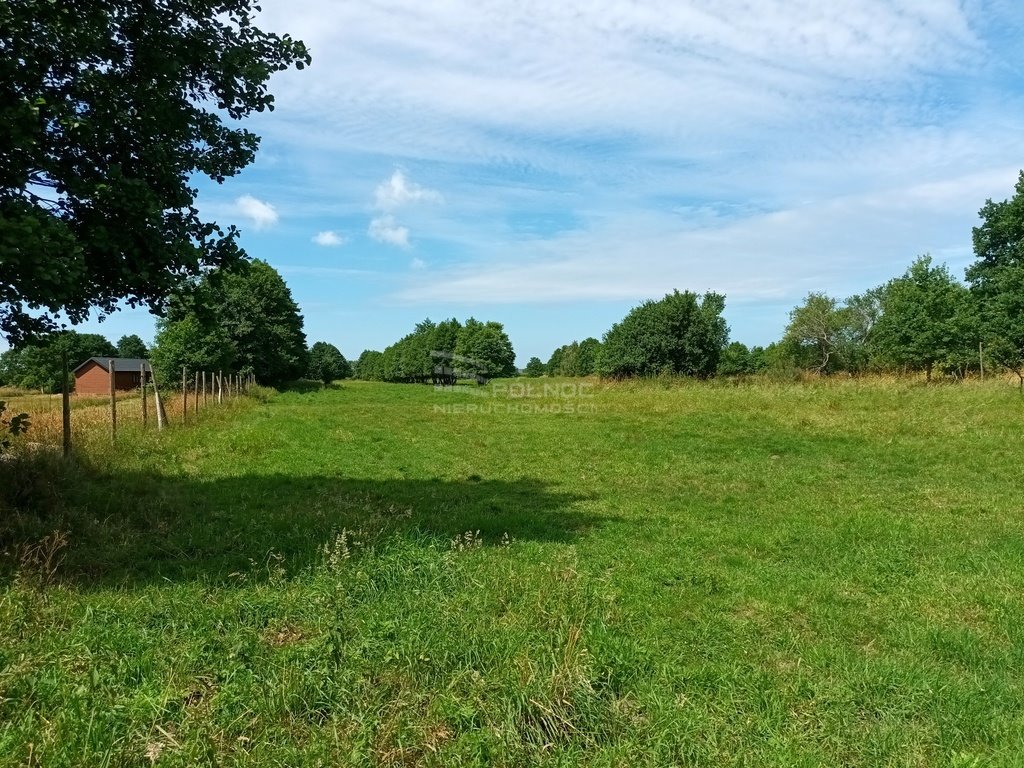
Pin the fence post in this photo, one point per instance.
(161, 414)
(65, 404)
(220, 387)
(113, 401)
(142, 387)
(195, 393)
(204, 389)
(184, 396)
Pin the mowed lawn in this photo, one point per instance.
(606, 575)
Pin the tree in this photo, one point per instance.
(735, 360)
(244, 321)
(816, 332)
(997, 279)
(586, 356)
(110, 108)
(680, 334)
(326, 363)
(534, 368)
(928, 318)
(1002, 319)
(132, 346)
(369, 366)
(570, 360)
(188, 343)
(445, 336)
(861, 314)
(554, 364)
(999, 241)
(39, 364)
(485, 349)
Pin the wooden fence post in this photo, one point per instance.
(195, 393)
(65, 405)
(204, 389)
(184, 396)
(142, 387)
(113, 401)
(161, 414)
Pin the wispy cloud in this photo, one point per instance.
(328, 238)
(829, 246)
(261, 214)
(383, 229)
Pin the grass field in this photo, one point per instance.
(613, 575)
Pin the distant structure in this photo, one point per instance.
(93, 376)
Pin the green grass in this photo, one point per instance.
(680, 574)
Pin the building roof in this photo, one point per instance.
(131, 364)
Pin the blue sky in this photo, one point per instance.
(550, 165)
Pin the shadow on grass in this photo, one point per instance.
(146, 528)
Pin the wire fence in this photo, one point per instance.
(61, 420)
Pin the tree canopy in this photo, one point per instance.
(680, 334)
(110, 108)
(132, 346)
(534, 368)
(927, 318)
(326, 363)
(999, 241)
(474, 348)
(485, 349)
(739, 360)
(997, 279)
(244, 320)
(576, 359)
(817, 331)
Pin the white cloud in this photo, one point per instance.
(328, 238)
(418, 263)
(399, 191)
(831, 245)
(605, 149)
(384, 230)
(261, 214)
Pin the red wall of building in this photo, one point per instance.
(93, 380)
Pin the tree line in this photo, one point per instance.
(925, 320)
(243, 320)
(442, 352)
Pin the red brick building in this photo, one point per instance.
(93, 376)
